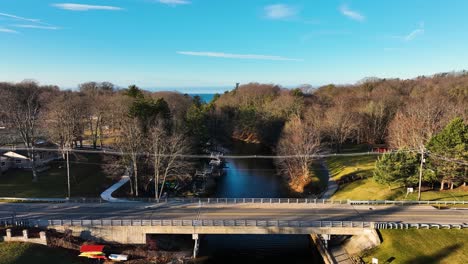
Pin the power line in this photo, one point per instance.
(460, 162)
(201, 156)
(206, 156)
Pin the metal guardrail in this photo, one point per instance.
(393, 225)
(293, 201)
(240, 201)
(404, 202)
(210, 223)
(228, 223)
(54, 200)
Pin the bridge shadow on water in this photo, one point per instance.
(258, 249)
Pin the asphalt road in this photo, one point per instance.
(308, 212)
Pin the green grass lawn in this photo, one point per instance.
(345, 165)
(26, 253)
(87, 180)
(434, 195)
(367, 189)
(421, 247)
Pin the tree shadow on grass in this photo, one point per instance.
(434, 258)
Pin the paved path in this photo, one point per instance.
(107, 194)
(340, 255)
(190, 211)
(332, 186)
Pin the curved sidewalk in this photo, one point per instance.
(332, 186)
(107, 194)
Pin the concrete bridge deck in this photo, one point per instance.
(131, 222)
(191, 211)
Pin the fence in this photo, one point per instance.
(390, 225)
(53, 200)
(230, 223)
(240, 201)
(177, 222)
(292, 201)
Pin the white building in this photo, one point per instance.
(18, 159)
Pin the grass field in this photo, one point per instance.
(368, 189)
(421, 247)
(87, 180)
(26, 253)
(347, 165)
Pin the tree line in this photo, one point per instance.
(398, 114)
(139, 124)
(393, 113)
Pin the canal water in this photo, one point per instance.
(254, 178)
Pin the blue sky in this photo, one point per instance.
(205, 44)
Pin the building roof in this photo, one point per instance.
(15, 155)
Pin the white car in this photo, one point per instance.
(118, 257)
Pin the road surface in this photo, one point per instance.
(190, 211)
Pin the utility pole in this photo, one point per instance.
(420, 173)
(68, 173)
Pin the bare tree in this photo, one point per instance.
(131, 144)
(416, 123)
(166, 149)
(300, 138)
(340, 121)
(22, 104)
(97, 95)
(65, 116)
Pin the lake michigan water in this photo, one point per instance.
(205, 97)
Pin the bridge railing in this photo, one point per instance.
(227, 223)
(293, 201)
(205, 222)
(241, 201)
(54, 200)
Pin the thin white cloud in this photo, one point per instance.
(7, 30)
(21, 18)
(236, 56)
(36, 26)
(174, 2)
(81, 7)
(413, 34)
(280, 11)
(352, 14)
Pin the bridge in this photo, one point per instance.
(131, 222)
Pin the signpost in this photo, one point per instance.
(409, 190)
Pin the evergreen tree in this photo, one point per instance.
(397, 168)
(448, 150)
